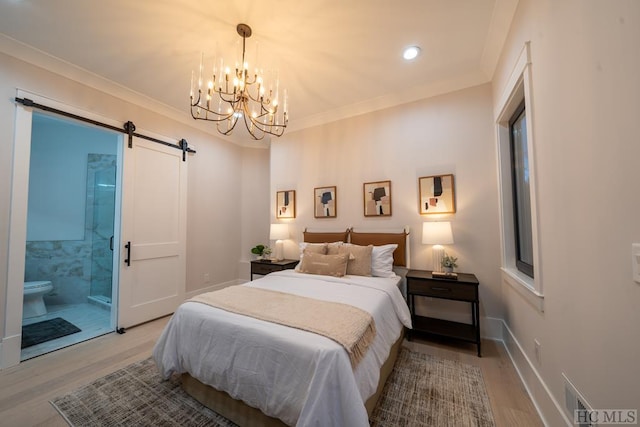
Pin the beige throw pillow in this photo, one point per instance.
(318, 248)
(328, 265)
(359, 259)
(332, 248)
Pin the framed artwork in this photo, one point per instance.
(437, 194)
(377, 198)
(286, 204)
(325, 202)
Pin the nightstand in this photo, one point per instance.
(262, 267)
(422, 284)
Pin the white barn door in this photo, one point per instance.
(153, 234)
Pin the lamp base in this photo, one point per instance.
(438, 253)
(278, 253)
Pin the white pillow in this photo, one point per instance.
(382, 260)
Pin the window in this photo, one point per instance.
(521, 190)
(516, 168)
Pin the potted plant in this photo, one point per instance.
(448, 263)
(266, 253)
(261, 251)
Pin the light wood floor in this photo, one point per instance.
(25, 390)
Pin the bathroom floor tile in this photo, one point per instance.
(91, 319)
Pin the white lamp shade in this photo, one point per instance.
(437, 233)
(279, 232)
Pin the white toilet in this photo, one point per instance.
(33, 303)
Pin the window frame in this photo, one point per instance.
(517, 90)
(521, 265)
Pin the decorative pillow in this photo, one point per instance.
(332, 248)
(359, 259)
(382, 260)
(327, 265)
(319, 248)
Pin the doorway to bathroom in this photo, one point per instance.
(70, 289)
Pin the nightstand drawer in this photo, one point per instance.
(442, 290)
(264, 268)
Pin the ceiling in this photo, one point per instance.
(336, 58)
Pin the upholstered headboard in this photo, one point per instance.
(400, 255)
(325, 237)
(379, 239)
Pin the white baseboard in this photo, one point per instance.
(9, 348)
(215, 287)
(549, 409)
(491, 328)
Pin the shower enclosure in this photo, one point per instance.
(101, 199)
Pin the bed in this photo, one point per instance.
(255, 372)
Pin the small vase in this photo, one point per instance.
(447, 270)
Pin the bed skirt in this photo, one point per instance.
(247, 416)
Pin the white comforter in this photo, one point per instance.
(299, 377)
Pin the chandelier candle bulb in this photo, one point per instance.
(191, 87)
(286, 98)
(200, 75)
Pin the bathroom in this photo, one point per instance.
(70, 286)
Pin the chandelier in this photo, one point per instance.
(233, 96)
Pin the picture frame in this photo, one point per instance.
(286, 204)
(436, 194)
(377, 198)
(325, 202)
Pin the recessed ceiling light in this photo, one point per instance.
(411, 53)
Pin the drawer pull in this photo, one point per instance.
(441, 289)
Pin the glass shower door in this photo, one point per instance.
(100, 291)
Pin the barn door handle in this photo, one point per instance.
(111, 243)
(127, 260)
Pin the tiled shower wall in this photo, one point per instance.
(66, 263)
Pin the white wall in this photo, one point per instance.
(255, 197)
(586, 105)
(452, 133)
(215, 174)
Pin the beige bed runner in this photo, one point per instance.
(349, 326)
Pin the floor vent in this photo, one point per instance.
(574, 401)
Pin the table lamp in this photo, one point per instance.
(279, 232)
(437, 234)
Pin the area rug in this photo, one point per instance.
(422, 391)
(425, 390)
(47, 330)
